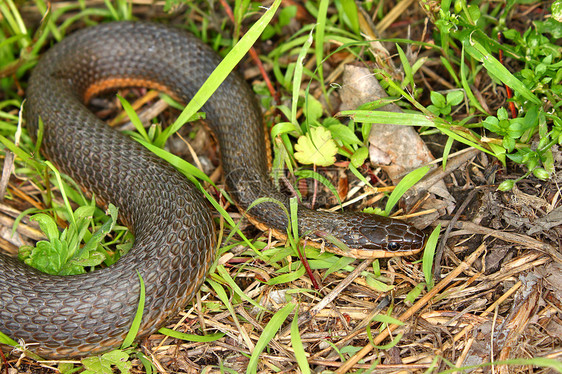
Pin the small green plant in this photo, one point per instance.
(510, 128)
(442, 106)
(105, 363)
(536, 81)
(63, 252)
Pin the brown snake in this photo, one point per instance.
(81, 315)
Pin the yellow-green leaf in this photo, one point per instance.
(317, 147)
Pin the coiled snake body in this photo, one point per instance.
(87, 314)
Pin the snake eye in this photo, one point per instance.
(393, 246)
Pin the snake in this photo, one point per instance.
(175, 242)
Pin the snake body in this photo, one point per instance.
(81, 315)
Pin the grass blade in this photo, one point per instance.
(298, 348)
(133, 331)
(191, 337)
(404, 185)
(429, 255)
(268, 333)
(221, 72)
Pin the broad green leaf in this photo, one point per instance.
(284, 128)
(149, 367)
(93, 259)
(47, 225)
(48, 257)
(556, 9)
(104, 364)
(358, 158)
(455, 97)
(312, 109)
(438, 99)
(344, 134)
(408, 74)
(84, 212)
(338, 265)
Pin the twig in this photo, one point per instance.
(401, 367)
(508, 237)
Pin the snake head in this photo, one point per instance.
(365, 235)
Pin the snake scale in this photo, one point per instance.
(76, 316)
